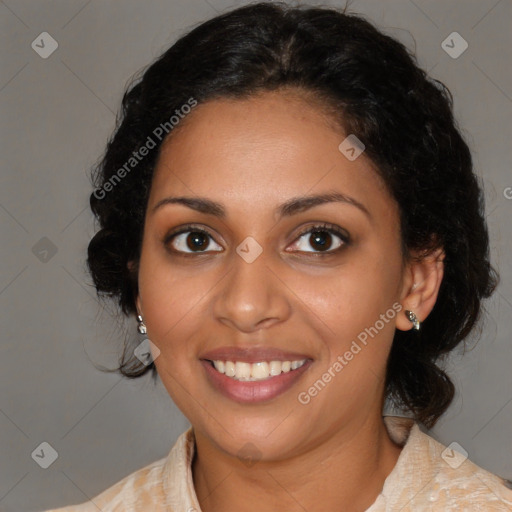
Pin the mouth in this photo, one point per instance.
(258, 371)
(253, 375)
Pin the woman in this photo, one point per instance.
(290, 212)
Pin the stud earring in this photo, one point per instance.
(142, 326)
(413, 318)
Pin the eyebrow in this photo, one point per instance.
(287, 209)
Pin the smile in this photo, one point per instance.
(257, 371)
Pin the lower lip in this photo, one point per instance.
(253, 391)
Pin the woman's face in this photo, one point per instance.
(297, 264)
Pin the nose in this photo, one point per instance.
(251, 296)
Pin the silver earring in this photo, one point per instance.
(142, 326)
(413, 318)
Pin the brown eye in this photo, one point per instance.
(197, 241)
(321, 239)
(191, 241)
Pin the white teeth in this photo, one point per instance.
(275, 367)
(220, 366)
(242, 371)
(261, 370)
(229, 369)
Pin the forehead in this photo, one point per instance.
(261, 150)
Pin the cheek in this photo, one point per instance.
(171, 302)
(354, 295)
(173, 306)
(355, 306)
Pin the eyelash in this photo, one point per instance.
(329, 228)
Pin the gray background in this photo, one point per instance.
(56, 115)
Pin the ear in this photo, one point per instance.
(420, 288)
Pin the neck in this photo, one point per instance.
(347, 468)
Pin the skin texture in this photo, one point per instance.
(252, 155)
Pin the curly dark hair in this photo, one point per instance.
(374, 89)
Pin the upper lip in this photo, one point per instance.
(252, 354)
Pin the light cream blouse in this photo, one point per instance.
(427, 477)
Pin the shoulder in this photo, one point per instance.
(458, 482)
(432, 476)
(144, 489)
